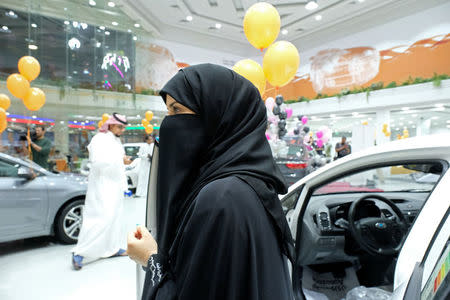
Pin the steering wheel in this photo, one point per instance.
(378, 235)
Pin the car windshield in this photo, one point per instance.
(398, 178)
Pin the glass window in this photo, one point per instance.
(398, 178)
(8, 170)
(290, 201)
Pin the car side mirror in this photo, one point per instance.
(25, 173)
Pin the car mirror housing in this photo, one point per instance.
(26, 173)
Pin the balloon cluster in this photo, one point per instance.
(19, 84)
(404, 136)
(277, 116)
(323, 136)
(146, 122)
(386, 130)
(281, 60)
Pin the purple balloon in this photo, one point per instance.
(304, 120)
(319, 143)
(319, 134)
(289, 112)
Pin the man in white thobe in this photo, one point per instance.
(145, 155)
(101, 233)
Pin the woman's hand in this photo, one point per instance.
(141, 245)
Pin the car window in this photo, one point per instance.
(132, 151)
(437, 286)
(396, 178)
(8, 169)
(290, 200)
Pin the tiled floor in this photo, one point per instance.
(41, 269)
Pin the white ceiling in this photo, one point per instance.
(166, 19)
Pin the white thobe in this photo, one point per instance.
(144, 168)
(102, 233)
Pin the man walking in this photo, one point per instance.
(101, 233)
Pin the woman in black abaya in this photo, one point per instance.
(221, 229)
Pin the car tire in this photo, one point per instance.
(68, 222)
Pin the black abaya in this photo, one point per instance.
(229, 250)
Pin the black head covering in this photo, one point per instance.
(232, 114)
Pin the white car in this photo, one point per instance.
(372, 225)
(368, 220)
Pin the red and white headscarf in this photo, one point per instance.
(114, 119)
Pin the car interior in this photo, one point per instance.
(354, 226)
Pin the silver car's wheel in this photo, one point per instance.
(73, 221)
(69, 221)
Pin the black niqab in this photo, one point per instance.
(229, 131)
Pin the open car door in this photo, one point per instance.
(150, 214)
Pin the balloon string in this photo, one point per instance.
(262, 49)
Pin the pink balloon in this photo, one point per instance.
(289, 112)
(319, 143)
(325, 139)
(267, 136)
(304, 120)
(270, 103)
(319, 134)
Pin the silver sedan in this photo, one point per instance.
(35, 202)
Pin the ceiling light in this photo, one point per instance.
(355, 114)
(102, 27)
(414, 115)
(332, 116)
(98, 44)
(111, 4)
(439, 105)
(66, 22)
(189, 18)
(5, 28)
(75, 24)
(397, 128)
(107, 33)
(33, 25)
(311, 5)
(84, 26)
(401, 124)
(448, 121)
(435, 118)
(129, 30)
(414, 126)
(62, 122)
(360, 1)
(134, 38)
(92, 3)
(284, 32)
(137, 25)
(74, 43)
(405, 108)
(410, 122)
(115, 23)
(32, 47)
(34, 117)
(218, 25)
(318, 17)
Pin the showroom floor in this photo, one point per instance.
(40, 268)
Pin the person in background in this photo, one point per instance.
(145, 155)
(40, 147)
(101, 233)
(343, 148)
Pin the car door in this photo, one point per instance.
(23, 203)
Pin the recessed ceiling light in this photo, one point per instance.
(102, 27)
(448, 121)
(114, 23)
(311, 5)
(360, 1)
(32, 47)
(435, 118)
(34, 117)
(84, 25)
(405, 108)
(5, 28)
(129, 30)
(134, 38)
(107, 33)
(137, 25)
(66, 22)
(33, 25)
(439, 105)
(189, 18)
(218, 25)
(355, 114)
(111, 4)
(401, 124)
(397, 128)
(410, 122)
(332, 116)
(318, 17)
(75, 24)
(414, 115)
(284, 32)
(92, 3)
(98, 44)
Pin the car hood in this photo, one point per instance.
(74, 180)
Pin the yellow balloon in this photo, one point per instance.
(29, 67)
(3, 125)
(388, 134)
(2, 114)
(100, 124)
(149, 129)
(252, 71)
(18, 85)
(261, 25)
(5, 102)
(149, 115)
(105, 118)
(145, 123)
(35, 99)
(280, 63)
(365, 123)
